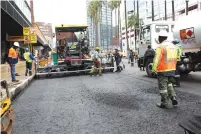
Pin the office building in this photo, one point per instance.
(104, 28)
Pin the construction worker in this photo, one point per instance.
(149, 53)
(118, 58)
(132, 57)
(97, 63)
(165, 65)
(179, 54)
(29, 58)
(13, 59)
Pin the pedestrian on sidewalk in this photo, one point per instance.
(165, 65)
(13, 60)
(132, 57)
(29, 59)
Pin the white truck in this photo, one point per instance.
(187, 29)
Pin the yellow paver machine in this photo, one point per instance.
(6, 110)
(72, 54)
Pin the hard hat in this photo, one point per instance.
(16, 44)
(163, 33)
(97, 48)
(26, 49)
(176, 41)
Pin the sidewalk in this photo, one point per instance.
(24, 81)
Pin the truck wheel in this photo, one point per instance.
(149, 65)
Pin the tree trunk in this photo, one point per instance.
(126, 26)
(120, 30)
(118, 26)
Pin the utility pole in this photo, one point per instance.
(187, 7)
(135, 27)
(134, 6)
(126, 26)
(173, 12)
(138, 19)
(152, 7)
(165, 10)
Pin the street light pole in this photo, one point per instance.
(173, 12)
(126, 25)
(187, 7)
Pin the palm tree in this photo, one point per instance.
(114, 5)
(93, 12)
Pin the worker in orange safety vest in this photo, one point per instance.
(13, 59)
(165, 65)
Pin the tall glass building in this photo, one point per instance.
(104, 27)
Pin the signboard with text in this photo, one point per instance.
(30, 35)
(26, 30)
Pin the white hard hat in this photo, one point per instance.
(163, 33)
(16, 44)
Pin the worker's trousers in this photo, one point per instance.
(97, 66)
(166, 88)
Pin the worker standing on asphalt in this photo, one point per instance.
(132, 57)
(179, 54)
(118, 58)
(149, 53)
(96, 61)
(165, 65)
(13, 60)
(29, 59)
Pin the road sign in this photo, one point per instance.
(26, 39)
(15, 38)
(33, 38)
(26, 30)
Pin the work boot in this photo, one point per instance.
(174, 101)
(30, 73)
(17, 74)
(25, 74)
(100, 74)
(162, 105)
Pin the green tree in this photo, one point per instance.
(93, 12)
(132, 21)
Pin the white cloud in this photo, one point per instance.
(60, 11)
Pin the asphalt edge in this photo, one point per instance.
(14, 92)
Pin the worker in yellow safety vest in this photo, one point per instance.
(29, 59)
(179, 54)
(165, 65)
(13, 59)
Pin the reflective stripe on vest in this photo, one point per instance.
(168, 59)
(27, 57)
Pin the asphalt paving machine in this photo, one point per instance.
(73, 52)
(7, 113)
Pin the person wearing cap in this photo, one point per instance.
(179, 54)
(13, 60)
(118, 58)
(97, 63)
(29, 59)
(165, 65)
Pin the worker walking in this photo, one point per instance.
(132, 57)
(179, 54)
(13, 60)
(165, 65)
(149, 53)
(97, 63)
(29, 59)
(118, 58)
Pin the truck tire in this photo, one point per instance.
(149, 65)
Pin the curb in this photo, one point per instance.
(14, 92)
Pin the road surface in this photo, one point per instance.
(115, 103)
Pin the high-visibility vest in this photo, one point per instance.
(12, 56)
(27, 57)
(166, 57)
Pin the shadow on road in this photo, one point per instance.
(118, 100)
(191, 78)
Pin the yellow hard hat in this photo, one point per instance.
(97, 48)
